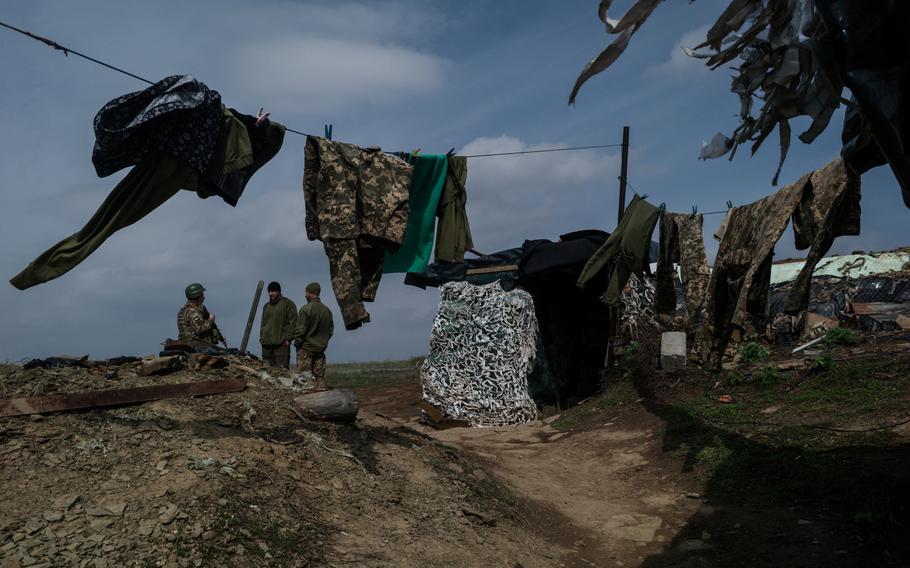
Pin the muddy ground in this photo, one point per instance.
(807, 464)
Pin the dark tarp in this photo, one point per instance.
(573, 322)
(872, 49)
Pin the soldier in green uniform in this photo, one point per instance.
(195, 325)
(314, 329)
(279, 317)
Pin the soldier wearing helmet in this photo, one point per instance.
(195, 325)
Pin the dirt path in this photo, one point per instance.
(609, 493)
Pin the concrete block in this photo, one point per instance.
(672, 350)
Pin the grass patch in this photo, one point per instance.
(840, 336)
(768, 376)
(252, 530)
(823, 364)
(618, 393)
(373, 373)
(753, 353)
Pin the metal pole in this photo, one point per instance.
(252, 318)
(623, 172)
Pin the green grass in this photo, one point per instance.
(753, 353)
(373, 373)
(840, 336)
(286, 542)
(616, 394)
(823, 364)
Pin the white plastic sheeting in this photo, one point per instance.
(848, 265)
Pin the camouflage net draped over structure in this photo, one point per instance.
(482, 348)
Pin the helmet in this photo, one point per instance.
(194, 290)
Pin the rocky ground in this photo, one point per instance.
(239, 480)
(779, 460)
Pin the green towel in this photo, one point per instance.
(426, 186)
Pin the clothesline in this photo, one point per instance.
(66, 51)
(730, 205)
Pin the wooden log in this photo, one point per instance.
(336, 405)
(162, 365)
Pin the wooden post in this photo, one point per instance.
(623, 179)
(252, 318)
(623, 172)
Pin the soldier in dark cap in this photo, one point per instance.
(279, 317)
(314, 329)
(195, 325)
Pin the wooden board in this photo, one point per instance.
(492, 269)
(114, 397)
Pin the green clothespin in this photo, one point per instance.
(328, 131)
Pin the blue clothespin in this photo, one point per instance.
(643, 196)
(450, 153)
(328, 131)
(662, 207)
(694, 210)
(729, 204)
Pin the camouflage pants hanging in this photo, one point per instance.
(314, 363)
(681, 242)
(356, 268)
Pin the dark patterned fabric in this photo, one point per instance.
(177, 115)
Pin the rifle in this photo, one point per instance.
(219, 337)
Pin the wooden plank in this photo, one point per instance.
(114, 397)
(252, 317)
(882, 310)
(492, 269)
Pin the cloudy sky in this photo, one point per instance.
(479, 76)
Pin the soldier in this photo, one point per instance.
(279, 317)
(195, 325)
(314, 329)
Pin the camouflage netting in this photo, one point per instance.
(482, 347)
(638, 316)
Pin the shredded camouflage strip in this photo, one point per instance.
(637, 314)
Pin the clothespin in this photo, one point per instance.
(694, 210)
(450, 153)
(643, 196)
(328, 131)
(662, 207)
(729, 204)
(260, 117)
(415, 152)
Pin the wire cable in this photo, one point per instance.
(66, 51)
(542, 151)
